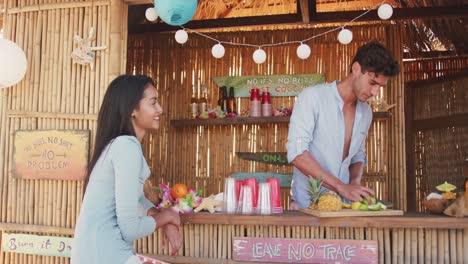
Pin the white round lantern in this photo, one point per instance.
(259, 56)
(13, 63)
(218, 51)
(303, 51)
(345, 36)
(385, 11)
(181, 36)
(151, 14)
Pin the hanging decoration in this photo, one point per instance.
(218, 51)
(259, 56)
(303, 51)
(181, 36)
(83, 54)
(345, 36)
(13, 63)
(176, 12)
(151, 14)
(385, 11)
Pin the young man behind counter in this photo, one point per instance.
(329, 125)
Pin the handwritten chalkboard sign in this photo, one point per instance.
(37, 245)
(51, 154)
(284, 250)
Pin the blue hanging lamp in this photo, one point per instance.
(176, 12)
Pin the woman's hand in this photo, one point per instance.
(166, 217)
(171, 234)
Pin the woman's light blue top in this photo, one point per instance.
(114, 208)
(317, 125)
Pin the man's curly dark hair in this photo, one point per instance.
(373, 57)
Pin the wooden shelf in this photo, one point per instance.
(246, 120)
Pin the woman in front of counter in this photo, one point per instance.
(115, 211)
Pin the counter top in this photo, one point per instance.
(296, 218)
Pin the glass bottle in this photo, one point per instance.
(232, 101)
(194, 105)
(203, 102)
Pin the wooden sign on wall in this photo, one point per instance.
(37, 245)
(285, 250)
(277, 85)
(51, 154)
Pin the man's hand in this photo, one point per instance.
(171, 234)
(354, 192)
(293, 206)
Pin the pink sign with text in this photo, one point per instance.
(284, 250)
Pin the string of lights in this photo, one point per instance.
(303, 51)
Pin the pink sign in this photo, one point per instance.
(285, 250)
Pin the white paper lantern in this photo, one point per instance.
(181, 36)
(218, 51)
(303, 51)
(259, 56)
(151, 14)
(345, 36)
(385, 11)
(13, 63)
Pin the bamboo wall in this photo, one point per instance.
(204, 156)
(54, 94)
(426, 69)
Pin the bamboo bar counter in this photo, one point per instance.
(411, 238)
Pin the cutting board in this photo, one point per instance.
(351, 212)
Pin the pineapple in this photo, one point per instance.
(329, 201)
(314, 191)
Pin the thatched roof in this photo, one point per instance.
(426, 37)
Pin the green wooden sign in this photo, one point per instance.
(277, 85)
(276, 158)
(284, 179)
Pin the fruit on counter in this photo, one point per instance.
(373, 199)
(314, 191)
(345, 205)
(329, 201)
(446, 189)
(355, 205)
(378, 206)
(179, 190)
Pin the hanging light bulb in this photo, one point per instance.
(385, 11)
(218, 51)
(345, 36)
(303, 51)
(259, 56)
(151, 14)
(13, 63)
(181, 36)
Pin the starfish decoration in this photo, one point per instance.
(84, 54)
(208, 203)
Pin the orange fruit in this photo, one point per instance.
(179, 190)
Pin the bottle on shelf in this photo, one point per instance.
(266, 104)
(232, 101)
(221, 97)
(203, 102)
(225, 106)
(194, 105)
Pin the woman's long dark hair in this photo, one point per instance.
(121, 98)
